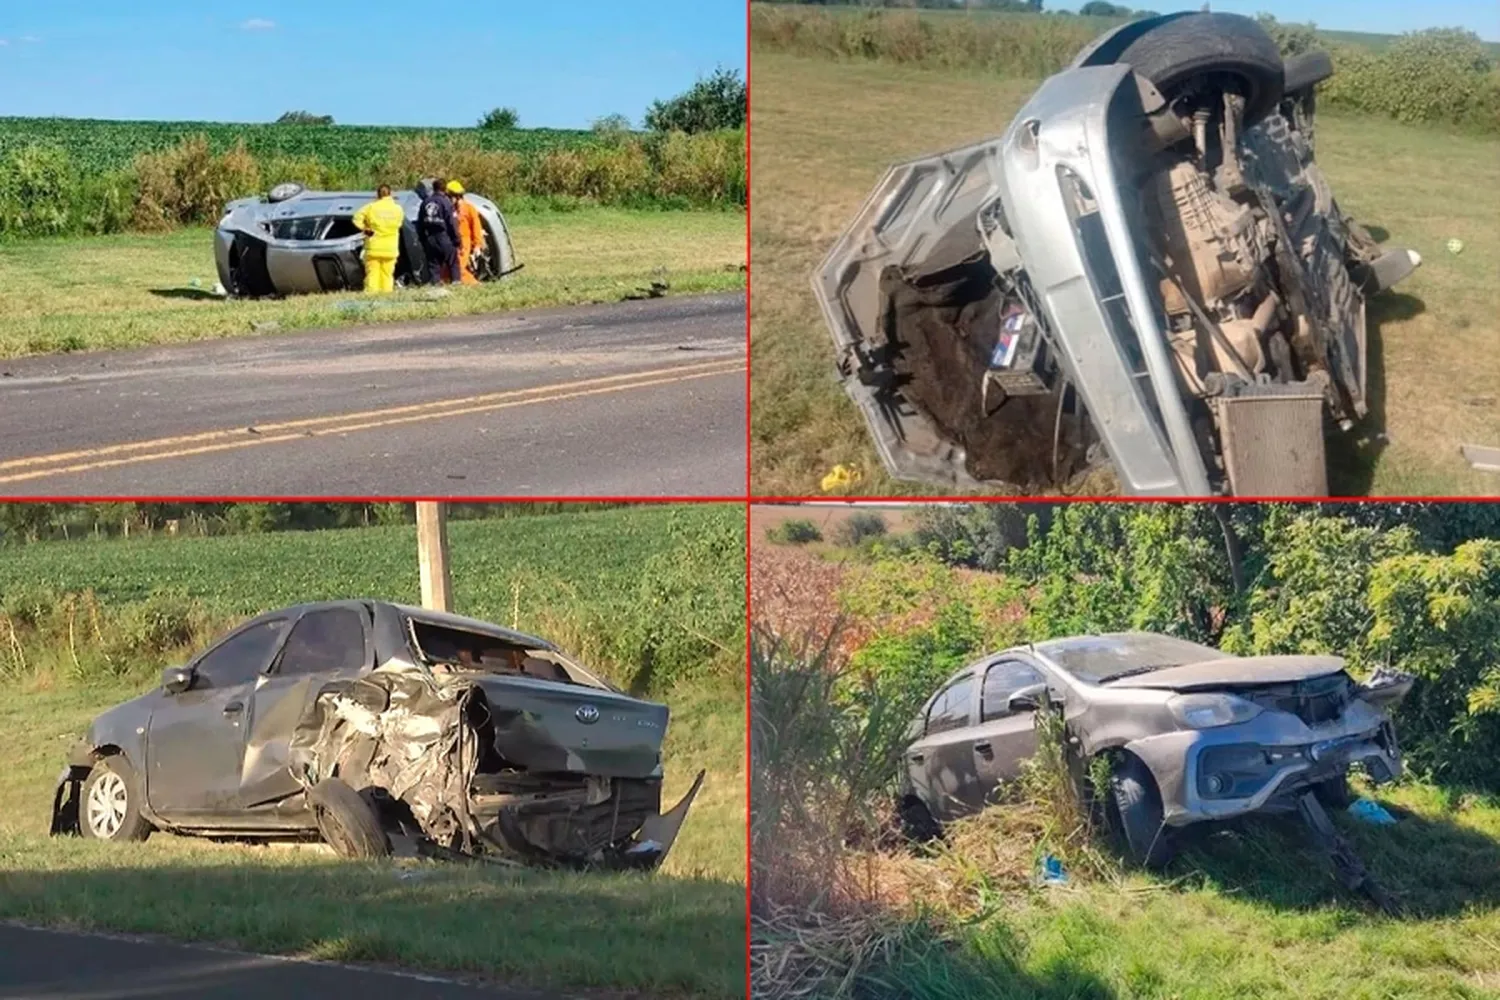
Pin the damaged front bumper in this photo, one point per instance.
(1228, 771)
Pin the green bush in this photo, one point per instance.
(859, 527)
(37, 192)
(794, 532)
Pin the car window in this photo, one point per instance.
(238, 659)
(951, 709)
(323, 641)
(1099, 658)
(1002, 680)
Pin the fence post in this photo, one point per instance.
(432, 556)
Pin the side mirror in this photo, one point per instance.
(175, 680)
(1028, 699)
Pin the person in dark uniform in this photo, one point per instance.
(437, 223)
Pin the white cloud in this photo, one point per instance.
(258, 24)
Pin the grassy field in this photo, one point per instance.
(677, 933)
(825, 131)
(96, 293)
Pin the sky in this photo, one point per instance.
(560, 63)
(1382, 17)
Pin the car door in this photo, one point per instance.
(942, 761)
(196, 738)
(1002, 739)
(327, 643)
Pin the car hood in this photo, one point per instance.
(1234, 671)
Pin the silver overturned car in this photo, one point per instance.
(1147, 270)
(1188, 734)
(296, 241)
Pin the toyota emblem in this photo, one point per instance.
(587, 714)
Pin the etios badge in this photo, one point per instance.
(587, 714)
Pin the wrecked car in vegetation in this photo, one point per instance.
(1185, 732)
(296, 241)
(1146, 269)
(366, 723)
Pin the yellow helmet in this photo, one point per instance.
(455, 188)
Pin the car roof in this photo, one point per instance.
(418, 614)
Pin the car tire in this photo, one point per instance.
(411, 262)
(250, 276)
(1170, 53)
(1334, 794)
(110, 803)
(347, 821)
(917, 823)
(1137, 812)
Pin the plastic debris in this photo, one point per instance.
(841, 477)
(1050, 871)
(1455, 245)
(1370, 811)
(195, 282)
(220, 290)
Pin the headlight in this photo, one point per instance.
(1205, 711)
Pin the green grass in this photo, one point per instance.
(679, 932)
(104, 292)
(825, 131)
(99, 144)
(1249, 911)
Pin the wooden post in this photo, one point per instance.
(432, 556)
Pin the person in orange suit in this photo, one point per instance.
(470, 233)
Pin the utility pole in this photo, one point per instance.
(432, 556)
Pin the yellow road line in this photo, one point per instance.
(185, 446)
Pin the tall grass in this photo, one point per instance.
(44, 191)
(1436, 76)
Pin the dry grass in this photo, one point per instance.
(825, 131)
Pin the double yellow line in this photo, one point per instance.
(21, 470)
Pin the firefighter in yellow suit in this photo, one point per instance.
(381, 221)
(470, 233)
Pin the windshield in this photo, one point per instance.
(1100, 658)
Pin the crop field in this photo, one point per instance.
(577, 578)
(826, 130)
(126, 290)
(101, 145)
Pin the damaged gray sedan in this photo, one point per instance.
(1147, 271)
(366, 723)
(296, 241)
(1186, 733)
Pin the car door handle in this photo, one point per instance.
(984, 749)
(234, 708)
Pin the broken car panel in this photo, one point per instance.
(359, 720)
(298, 241)
(1147, 268)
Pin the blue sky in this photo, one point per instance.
(560, 63)
(1385, 17)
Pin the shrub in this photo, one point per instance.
(858, 527)
(703, 169)
(37, 191)
(189, 184)
(492, 173)
(718, 102)
(303, 118)
(794, 532)
(500, 119)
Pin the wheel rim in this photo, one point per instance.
(108, 800)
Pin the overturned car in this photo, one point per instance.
(369, 723)
(1185, 733)
(1147, 269)
(297, 241)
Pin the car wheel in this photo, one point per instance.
(347, 822)
(111, 806)
(1171, 53)
(411, 262)
(1334, 793)
(1138, 814)
(916, 820)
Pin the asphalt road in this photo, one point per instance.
(60, 965)
(630, 399)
